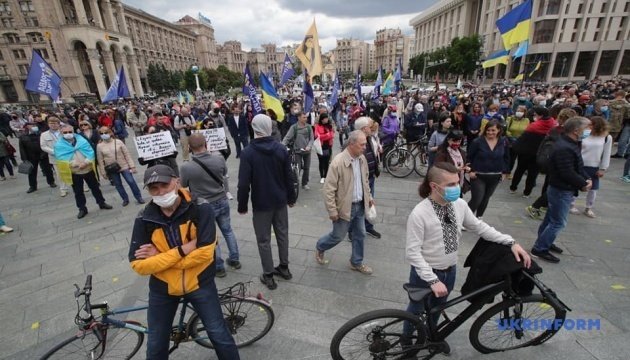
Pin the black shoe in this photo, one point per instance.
(53, 185)
(105, 206)
(554, 248)
(125, 203)
(141, 201)
(220, 273)
(374, 233)
(30, 190)
(268, 281)
(545, 255)
(616, 156)
(235, 264)
(283, 272)
(82, 213)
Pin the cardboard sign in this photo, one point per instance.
(215, 138)
(154, 146)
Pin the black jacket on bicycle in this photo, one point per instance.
(415, 126)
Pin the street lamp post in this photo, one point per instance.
(195, 70)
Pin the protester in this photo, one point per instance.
(473, 123)
(113, 155)
(31, 151)
(169, 160)
(438, 136)
(347, 198)
(342, 124)
(173, 241)
(415, 124)
(206, 179)
(516, 125)
(620, 123)
(325, 133)
(239, 129)
(137, 119)
(300, 139)
(390, 128)
(450, 151)
(184, 123)
(489, 159)
(265, 169)
(566, 177)
(47, 142)
(371, 154)
(4, 158)
(120, 128)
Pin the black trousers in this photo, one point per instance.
(525, 163)
(92, 183)
(324, 162)
(46, 170)
(542, 199)
(481, 189)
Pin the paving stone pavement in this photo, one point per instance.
(50, 250)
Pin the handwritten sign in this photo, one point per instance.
(215, 138)
(154, 146)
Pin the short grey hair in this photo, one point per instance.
(575, 123)
(362, 122)
(355, 135)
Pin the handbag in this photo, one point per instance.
(113, 168)
(26, 167)
(226, 152)
(317, 145)
(10, 149)
(371, 215)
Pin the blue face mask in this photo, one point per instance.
(451, 193)
(586, 133)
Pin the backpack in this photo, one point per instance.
(543, 155)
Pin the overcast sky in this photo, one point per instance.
(285, 22)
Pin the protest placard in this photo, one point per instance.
(215, 138)
(156, 145)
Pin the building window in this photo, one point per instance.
(607, 62)
(35, 37)
(31, 21)
(553, 7)
(624, 68)
(625, 9)
(580, 8)
(7, 23)
(43, 53)
(604, 6)
(19, 54)
(23, 68)
(5, 7)
(600, 21)
(590, 8)
(3, 70)
(12, 38)
(544, 31)
(26, 6)
(585, 64)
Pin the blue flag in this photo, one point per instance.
(308, 92)
(118, 88)
(250, 90)
(287, 70)
(377, 85)
(335, 91)
(398, 75)
(357, 85)
(522, 50)
(42, 78)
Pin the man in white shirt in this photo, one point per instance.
(47, 142)
(185, 124)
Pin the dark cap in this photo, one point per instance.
(158, 174)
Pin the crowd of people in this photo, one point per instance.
(475, 140)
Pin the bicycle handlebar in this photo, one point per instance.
(88, 284)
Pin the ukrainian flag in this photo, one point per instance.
(270, 97)
(519, 77)
(499, 57)
(536, 68)
(514, 26)
(387, 85)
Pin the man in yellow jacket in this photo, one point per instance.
(173, 241)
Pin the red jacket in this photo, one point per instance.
(105, 120)
(542, 126)
(325, 134)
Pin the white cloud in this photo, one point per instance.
(256, 23)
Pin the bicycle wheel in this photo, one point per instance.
(495, 329)
(106, 342)
(247, 319)
(377, 335)
(399, 163)
(422, 164)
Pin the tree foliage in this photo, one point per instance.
(219, 80)
(459, 58)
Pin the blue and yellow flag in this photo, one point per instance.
(536, 68)
(522, 50)
(514, 26)
(519, 78)
(387, 85)
(270, 97)
(180, 98)
(499, 57)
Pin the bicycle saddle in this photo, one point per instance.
(417, 293)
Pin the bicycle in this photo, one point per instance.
(379, 334)
(99, 337)
(296, 170)
(400, 161)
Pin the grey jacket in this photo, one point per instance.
(197, 179)
(300, 138)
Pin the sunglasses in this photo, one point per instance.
(67, 132)
(84, 125)
(103, 133)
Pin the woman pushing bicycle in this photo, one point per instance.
(433, 235)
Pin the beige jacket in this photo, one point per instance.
(339, 186)
(105, 155)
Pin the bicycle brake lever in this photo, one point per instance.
(77, 292)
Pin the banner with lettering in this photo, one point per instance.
(215, 138)
(154, 146)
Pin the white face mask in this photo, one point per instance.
(105, 137)
(519, 114)
(68, 136)
(166, 200)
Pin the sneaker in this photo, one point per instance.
(306, 187)
(545, 255)
(30, 190)
(363, 269)
(283, 272)
(533, 212)
(268, 281)
(319, 257)
(321, 181)
(141, 201)
(125, 203)
(616, 156)
(556, 249)
(525, 196)
(543, 209)
(589, 213)
(626, 179)
(229, 195)
(234, 264)
(512, 191)
(220, 273)
(53, 185)
(5, 229)
(374, 233)
(3, 179)
(63, 193)
(574, 210)
(12, 177)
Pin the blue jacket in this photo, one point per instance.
(265, 169)
(119, 129)
(243, 127)
(566, 170)
(484, 160)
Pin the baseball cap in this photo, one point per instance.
(158, 174)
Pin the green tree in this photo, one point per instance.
(463, 54)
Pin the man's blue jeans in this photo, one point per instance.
(446, 277)
(340, 229)
(128, 176)
(205, 301)
(624, 138)
(555, 219)
(222, 215)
